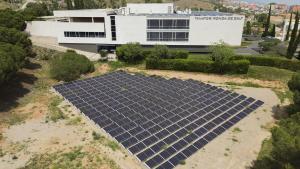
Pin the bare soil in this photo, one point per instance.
(36, 136)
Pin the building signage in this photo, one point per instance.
(223, 18)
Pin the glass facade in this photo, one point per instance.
(168, 24)
(85, 34)
(167, 36)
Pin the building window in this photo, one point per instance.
(167, 36)
(81, 19)
(113, 28)
(168, 24)
(98, 19)
(84, 34)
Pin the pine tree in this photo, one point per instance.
(123, 3)
(76, 4)
(101, 4)
(273, 32)
(266, 32)
(287, 36)
(69, 4)
(290, 49)
(113, 4)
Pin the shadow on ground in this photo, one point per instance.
(20, 85)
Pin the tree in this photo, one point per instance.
(123, 3)
(273, 32)
(69, 4)
(34, 10)
(78, 4)
(287, 36)
(113, 4)
(290, 50)
(130, 52)
(221, 55)
(248, 28)
(90, 4)
(101, 3)
(18, 38)
(12, 19)
(69, 66)
(267, 24)
(12, 58)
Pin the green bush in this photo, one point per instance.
(160, 51)
(130, 53)
(294, 83)
(268, 44)
(69, 66)
(12, 58)
(278, 62)
(178, 54)
(206, 66)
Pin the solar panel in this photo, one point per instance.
(160, 121)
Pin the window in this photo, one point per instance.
(168, 24)
(85, 34)
(167, 36)
(113, 27)
(98, 19)
(82, 19)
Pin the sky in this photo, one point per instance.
(289, 2)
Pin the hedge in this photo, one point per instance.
(206, 66)
(277, 62)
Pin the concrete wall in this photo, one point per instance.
(56, 29)
(204, 31)
(139, 8)
(209, 30)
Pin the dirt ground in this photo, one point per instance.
(35, 135)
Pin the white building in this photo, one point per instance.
(285, 28)
(148, 24)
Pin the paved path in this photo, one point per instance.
(252, 49)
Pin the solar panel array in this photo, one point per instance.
(162, 122)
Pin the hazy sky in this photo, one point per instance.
(289, 2)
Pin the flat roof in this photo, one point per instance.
(194, 13)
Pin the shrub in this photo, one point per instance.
(103, 55)
(69, 66)
(178, 54)
(131, 53)
(160, 51)
(268, 44)
(294, 83)
(207, 66)
(278, 62)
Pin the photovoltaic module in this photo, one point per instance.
(161, 121)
